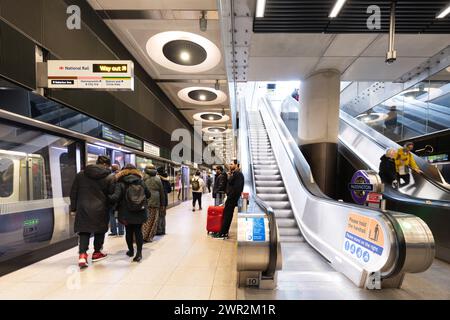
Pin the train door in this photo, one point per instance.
(186, 182)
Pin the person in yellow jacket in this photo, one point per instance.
(404, 160)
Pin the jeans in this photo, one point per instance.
(136, 231)
(84, 237)
(218, 200)
(197, 196)
(116, 227)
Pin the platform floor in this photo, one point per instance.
(184, 264)
(187, 264)
(307, 276)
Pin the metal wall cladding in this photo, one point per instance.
(17, 57)
(43, 22)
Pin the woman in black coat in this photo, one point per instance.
(89, 200)
(387, 167)
(132, 220)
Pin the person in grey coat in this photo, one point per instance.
(154, 184)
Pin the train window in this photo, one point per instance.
(6, 177)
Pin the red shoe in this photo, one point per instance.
(83, 260)
(97, 256)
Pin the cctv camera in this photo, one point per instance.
(391, 56)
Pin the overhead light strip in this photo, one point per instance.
(337, 8)
(443, 13)
(260, 8)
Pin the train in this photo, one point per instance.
(38, 163)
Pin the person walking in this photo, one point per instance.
(197, 190)
(220, 186)
(178, 185)
(89, 201)
(153, 183)
(131, 196)
(404, 160)
(234, 191)
(116, 227)
(209, 182)
(167, 187)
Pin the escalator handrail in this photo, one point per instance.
(273, 226)
(346, 118)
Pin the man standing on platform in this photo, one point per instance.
(234, 191)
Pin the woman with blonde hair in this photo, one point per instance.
(387, 169)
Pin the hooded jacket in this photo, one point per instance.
(220, 183)
(89, 199)
(154, 184)
(166, 186)
(125, 178)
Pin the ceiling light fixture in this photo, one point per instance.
(443, 13)
(337, 8)
(185, 56)
(260, 8)
(202, 97)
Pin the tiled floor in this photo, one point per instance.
(184, 264)
(306, 275)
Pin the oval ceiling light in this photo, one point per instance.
(183, 51)
(210, 117)
(216, 130)
(202, 95)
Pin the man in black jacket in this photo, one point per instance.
(220, 186)
(89, 200)
(234, 191)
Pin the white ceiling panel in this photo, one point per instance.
(375, 69)
(409, 45)
(154, 4)
(289, 45)
(338, 63)
(280, 68)
(349, 45)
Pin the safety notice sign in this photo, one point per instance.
(364, 238)
(253, 229)
(88, 74)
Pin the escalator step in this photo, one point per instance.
(273, 197)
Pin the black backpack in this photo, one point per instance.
(135, 197)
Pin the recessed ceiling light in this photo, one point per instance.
(185, 56)
(260, 8)
(202, 95)
(211, 117)
(443, 13)
(166, 49)
(337, 8)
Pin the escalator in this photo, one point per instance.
(360, 148)
(283, 181)
(269, 184)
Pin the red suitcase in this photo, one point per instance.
(215, 218)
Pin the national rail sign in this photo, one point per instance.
(90, 74)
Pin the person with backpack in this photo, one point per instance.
(131, 196)
(154, 184)
(161, 229)
(89, 200)
(197, 190)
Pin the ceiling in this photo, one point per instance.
(306, 16)
(134, 22)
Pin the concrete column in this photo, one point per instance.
(318, 126)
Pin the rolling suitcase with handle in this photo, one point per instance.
(214, 219)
